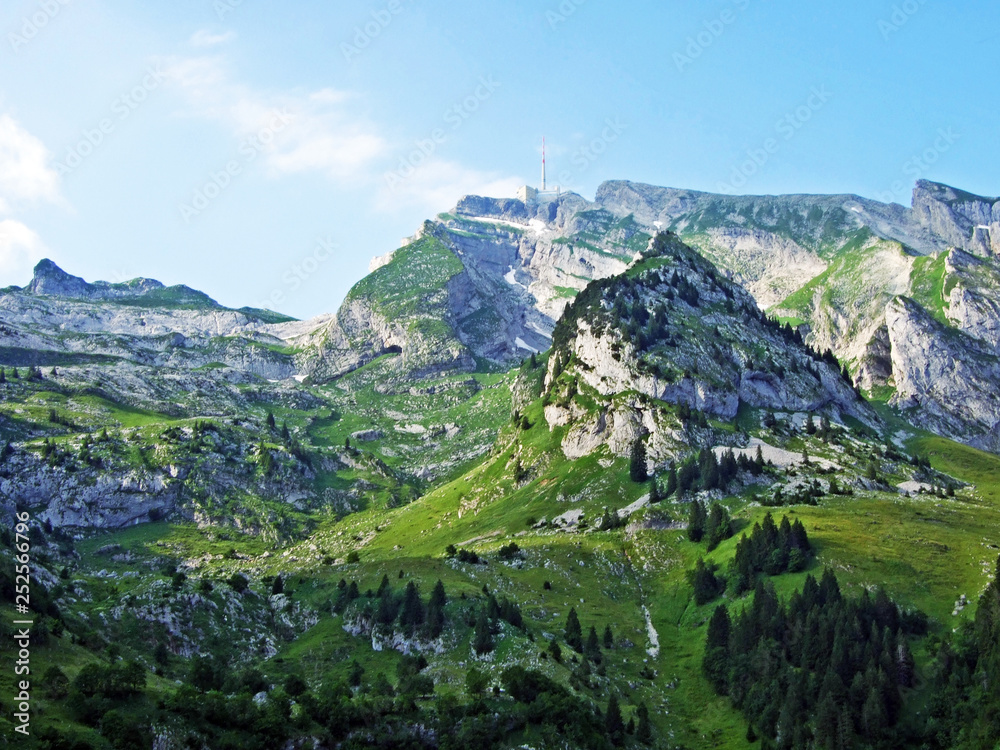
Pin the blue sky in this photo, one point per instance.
(264, 151)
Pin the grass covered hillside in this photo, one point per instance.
(634, 540)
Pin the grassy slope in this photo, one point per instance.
(415, 274)
(926, 551)
(928, 282)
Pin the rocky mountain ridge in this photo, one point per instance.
(829, 263)
(482, 286)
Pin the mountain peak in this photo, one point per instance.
(50, 280)
(946, 193)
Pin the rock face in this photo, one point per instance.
(974, 296)
(946, 380)
(831, 263)
(960, 219)
(120, 492)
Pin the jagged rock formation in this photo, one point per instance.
(674, 331)
(828, 263)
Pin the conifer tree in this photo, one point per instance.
(383, 586)
(609, 638)
(482, 639)
(411, 616)
(696, 521)
(637, 462)
(265, 458)
(435, 610)
(715, 663)
(592, 648)
(573, 632)
(644, 730)
(613, 724)
(671, 481)
(719, 526)
(706, 585)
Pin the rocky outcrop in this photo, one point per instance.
(51, 281)
(195, 477)
(673, 331)
(973, 296)
(98, 501)
(769, 265)
(875, 368)
(946, 380)
(960, 219)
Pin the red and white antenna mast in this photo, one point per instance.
(543, 163)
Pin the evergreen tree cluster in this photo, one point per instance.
(347, 709)
(467, 556)
(486, 623)
(964, 710)
(706, 471)
(510, 552)
(691, 417)
(403, 611)
(714, 525)
(794, 336)
(770, 549)
(590, 646)
(611, 520)
(822, 670)
(706, 583)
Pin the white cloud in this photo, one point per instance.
(25, 174)
(327, 132)
(205, 38)
(324, 132)
(437, 184)
(20, 250)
